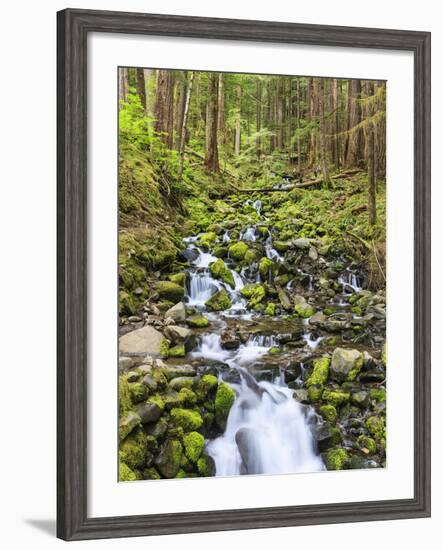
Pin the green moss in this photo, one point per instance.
(124, 396)
(189, 420)
(133, 449)
(170, 291)
(219, 271)
(207, 384)
(267, 267)
(224, 400)
(282, 246)
(384, 355)
(181, 474)
(356, 369)
(328, 412)
(193, 445)
(219, 301)
(249, 290)
(335, 397)
(178, 278)
(257, 298)
(251, 256)
(368, 443)
(304, 310)
(270, 309)
(197, 321)
(238, 251)
(208, 239)
(187, 397)
(321, 369)
(138, 392)
(206, 466)
(378, 394)
(127, 304)
(314, 393)
(164, 347)
(336, 459)
(125, 473)
(158, 401)
(159, 376)
(151, 473)
(376, 426)
(177, 351)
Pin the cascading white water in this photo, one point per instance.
(267, 432)
(249, 234)
(257, 205)
(351, 280)
(312, 343)
(201, 287)
(271, 253)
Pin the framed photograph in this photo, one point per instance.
(243, 274)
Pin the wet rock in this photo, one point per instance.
(127, 423)
(149, 382)
(301, 243)
(360, 398)
(182, 382)
(173, 371)
(317, 319)
(284, 299)
(219, 301)
(313, 253)
(142, 341)
(148, 412)
(169, 460)
(244, 440)
(170, 291)
(372, 376)
(345, 364)
(230, 340)
(327, 436)
(190, 254)
(177, 312)
(177, 334)
(197, 321)
(301, 396)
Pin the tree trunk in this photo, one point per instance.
(141, 87)
(164, 107)
(184, 124)
(180, 105)
(221, 110)
(258, 116)
(370, 152)
(280, 113)
(336, 127)
(148, 73)
(298, 123)
(124, 85)
(211, 157)
(355, 145)
(312, 115)
(238, 121)
(322, 137)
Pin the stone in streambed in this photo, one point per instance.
(177, 334)
(346, 364)
(219, 301)
(142, 341)
(148, 412)
(182, 382)
(284, 299)
(197, 321)
(238, 251)
(169, 460)
(301, 243)
(224, 400)
(219, 271)
(320, 373)
(193, 445)
(127, 423)
(304, 310)
(177, 312)
(327, 436)
(170, 291)
(266, 267)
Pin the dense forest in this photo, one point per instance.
(251, 273)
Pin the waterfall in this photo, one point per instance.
(200, 287)
(257, 205)
(271, 253)
(350, 280)
(267, 432)
(249, 234)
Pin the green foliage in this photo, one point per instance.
(189, 420)
(321, 368)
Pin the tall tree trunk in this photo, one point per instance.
(312, 96)
(180, 105)
(141, 87)
(355, 145)
(322, 137)
(298, 123)
(289, 121)
(184, 123)
(270, 116)
(369, 131)
(221, 109)
(238, 121)
(258, 116)
(211, 157)
(280, 113)
(123, 84)
(164, 107)
(336, 127)
(148, 73)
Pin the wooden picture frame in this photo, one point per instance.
(73, 28)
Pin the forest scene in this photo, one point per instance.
(252, 274)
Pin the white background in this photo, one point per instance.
(28, 268)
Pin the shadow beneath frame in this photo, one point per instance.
(47, 526)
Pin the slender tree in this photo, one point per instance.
(211, 156)
(322, 138)
(238, 120)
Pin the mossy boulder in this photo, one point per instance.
(127, 303)
(124, 396)
(376, 426)
(320, 373)
(251, 256)
(367, 444)
(207, 384)
(189, 420)
(138, 392)
(219, 271)
(197, 321)
(256, 296)
(219, 301)
(178, 278)
(267, 267)
(133, 449)
(207, 240)
(282, 246)
(336, 459)
(128, 422)
(193, 445)
(224, 400)
(238, 251)
(170, 291)
(328, 413)
(125, 473)
(168, 461)
(177, 351)
(335, 397)
(304, 310)
(151, 473)
(378, 394)
(346, 364)
(206, 466)
(270, 309)
(314, 393)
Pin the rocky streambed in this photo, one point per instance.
(262, 352)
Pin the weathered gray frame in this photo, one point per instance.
(73, 28)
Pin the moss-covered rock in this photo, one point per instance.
(164, 348)
(251, 256)
(314, 393)
(238, 251)
(219, 271)
(207, 384)
(206, 466)
(336, 459)
(320, 373)
(133, 449)
(367, 443)
(138, 392)
(304, 310)
(189, 420)
(207, 240)
(125, 473)
(177, 351)
(282, 246)
(124, 396)
(178, 278)
(376, 426)
(328, 413)
(151, 473)
(127, 423)
(193, 445)
(219, 301)
(170, 291)
(267, 267)
(197, 321)
(346, 364)
(270, 309)
(224, 400)
(168, 462)
(257, 297)
(378, 394)
(335, 397)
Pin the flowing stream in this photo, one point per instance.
(267, 430)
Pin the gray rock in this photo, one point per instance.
(127, 423)
(343, 362)
(174, 371)
(372, 376)
(177, 312)
(317, 318)
(149, 382)
(168, 461)
(301, 396)
(182, 382)
(284, 299)
(148, 412)
(126, 363)
(298, 299)
(302, 243)
(313, 253)
(360, 398)
(177, 334)
(142, 341)
(133, 376)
